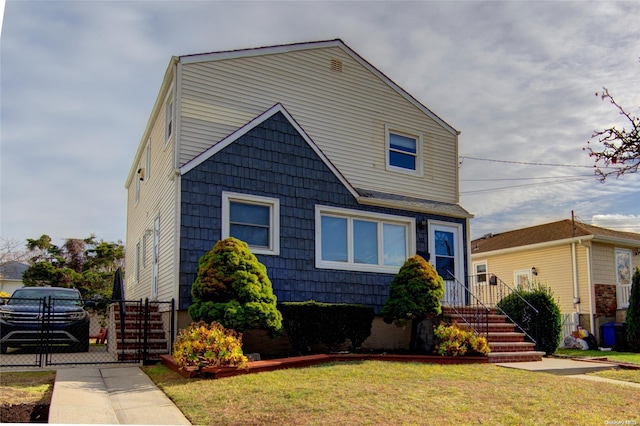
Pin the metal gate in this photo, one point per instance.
(57, 331)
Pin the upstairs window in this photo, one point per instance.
(404, 151)
(252, 219)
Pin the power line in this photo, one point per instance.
(527, 163)
(524, 178)
(480, 191)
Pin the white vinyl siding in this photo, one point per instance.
(344, 113)
(157, 199)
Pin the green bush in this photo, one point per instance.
(203, 345)
(633, 314)
(310, 323)
(232, 288)
(456, 341)
(545, 326)
(414, 292)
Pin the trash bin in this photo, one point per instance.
(620, 332)
(608, 335)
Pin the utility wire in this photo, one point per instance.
(480, 191)
(524, 178)
(526, 163)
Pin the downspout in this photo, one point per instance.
(590, 286)
(576, 291)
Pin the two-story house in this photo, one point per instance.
(331, 172)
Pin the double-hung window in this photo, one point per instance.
(361, 241)
(252, 219)
(404, 151)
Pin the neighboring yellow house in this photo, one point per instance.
(588, 268)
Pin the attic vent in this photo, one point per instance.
(336, 65)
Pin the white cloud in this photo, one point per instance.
(518, 79)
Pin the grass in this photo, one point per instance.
(376, 392)
(624, 375)
(34, 387)
(625, 357)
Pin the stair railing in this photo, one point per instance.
(491, 290)
(457, 296)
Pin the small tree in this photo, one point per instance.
(414, 293)
(633, 314)
(233, 289)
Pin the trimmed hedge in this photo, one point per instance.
(545, 326)
(310, 323)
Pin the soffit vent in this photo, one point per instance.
(336, 65)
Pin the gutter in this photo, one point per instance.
(574, 265)
(592, 307)
(546, 244)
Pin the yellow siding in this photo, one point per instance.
(345, 114)
(554, 265)
(158, 194)
(603, 258)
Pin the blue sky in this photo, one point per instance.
(79, 79)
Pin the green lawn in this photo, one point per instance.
(377, 392)
(625, 357)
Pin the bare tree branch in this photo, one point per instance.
(618, 151)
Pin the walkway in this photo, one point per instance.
(113, 395)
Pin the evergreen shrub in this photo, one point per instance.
(309, 323)
(633, 314)
(545, 326)
(232, 288)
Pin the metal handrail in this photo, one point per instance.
(494, 290)
(481, 313)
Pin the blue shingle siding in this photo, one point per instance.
(273, 160)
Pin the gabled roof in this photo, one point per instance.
(13, 270)
(284, 48)
(564, 230)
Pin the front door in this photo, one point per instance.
(445, 248)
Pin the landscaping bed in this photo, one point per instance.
(309, 360)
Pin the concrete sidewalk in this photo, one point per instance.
(562, 366)
(114, 395)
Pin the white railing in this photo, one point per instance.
(623, 295)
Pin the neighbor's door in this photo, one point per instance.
(445, 247)
(155, 259)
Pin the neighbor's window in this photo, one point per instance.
(404, 151)
(480, 269)
(252, 219)
(355, 240)
(522, 278)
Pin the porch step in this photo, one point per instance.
(502, 347)
(529, 356)
(507, 345)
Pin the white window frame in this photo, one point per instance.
(520, 273)
(476, 274)
(169, 118)
(418, 136)
(408, 222)
(274, 219)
